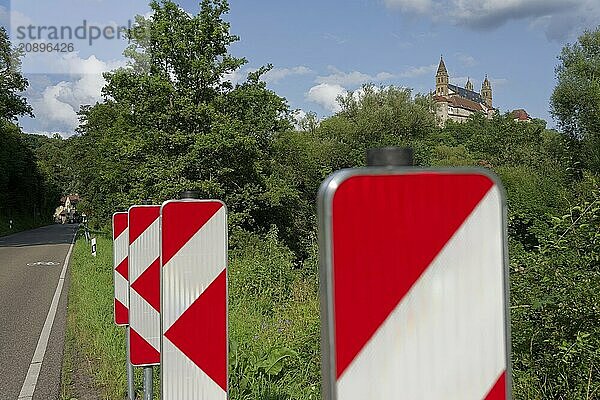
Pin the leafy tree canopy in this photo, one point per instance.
(575, 101)
(12, 82)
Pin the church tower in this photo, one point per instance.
(469, 85)
(486, 92)
(441, 79)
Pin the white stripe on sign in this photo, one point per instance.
(196, 382)
(459, 285)
(145, 251)
(121, 246)
(211, 240)
(122, 290)
(145, 312)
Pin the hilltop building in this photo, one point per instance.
(459, 103)
(521, 115)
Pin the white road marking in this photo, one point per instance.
(33, 373)
(43, 263)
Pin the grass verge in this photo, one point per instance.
(273, 322)
(90, 327)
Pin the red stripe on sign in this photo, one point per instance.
(144, 353)
(498, 392)
(147, 285)
(140, 219)
(386, 231)
(119, 224)
(175, 233)
(121, 313)
(123, 269)
(201, 332)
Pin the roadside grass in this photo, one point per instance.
(273, 322)
(91, 324)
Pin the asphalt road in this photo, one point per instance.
(26, 293)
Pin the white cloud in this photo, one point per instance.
(48, 133)
(235, 77)
(466, 60)
(461, 80)
(354, 78)
(326, 94)
(419, 6)
(559, 18)
(277, 74)
(498, 81)
(414, 72)
(14, 18)
(56, 105)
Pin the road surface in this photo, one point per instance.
(30, 268)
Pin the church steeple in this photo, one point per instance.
(486, 92)
(442, 67)
(469, 85)
(441, 79)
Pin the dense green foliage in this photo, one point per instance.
(172, 120)
(12, 82)
(93, 342)
(576, 98)
(27, 196)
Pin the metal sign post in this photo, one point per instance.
(144, 293)
(414, 284)
(194, 300)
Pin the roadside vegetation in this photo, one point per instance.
(27, 194)
(172, 121)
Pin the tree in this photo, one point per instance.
(12, 105)
(575, 101)
(172, 120)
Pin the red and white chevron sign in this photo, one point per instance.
(194, 300)
(414, 286)
(144, 293)
(120, 250)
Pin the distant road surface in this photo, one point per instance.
(30, 268)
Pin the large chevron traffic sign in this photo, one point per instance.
(121, 269)
(144, 293)
(414, 285)
(194, 300)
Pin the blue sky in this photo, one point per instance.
(320, 49)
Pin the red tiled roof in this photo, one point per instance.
(465, 103)
(520, 115)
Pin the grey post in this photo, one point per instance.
(148, 371)
(390, 157)
(189, 194)
(130, 384)
(148, 388)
